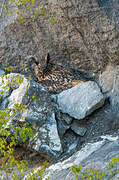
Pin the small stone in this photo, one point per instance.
(78, 129)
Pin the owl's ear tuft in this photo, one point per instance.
(47, 58)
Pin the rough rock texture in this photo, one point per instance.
(39, 110)
(67, 118)
(62, 127)
(80, 100)
(85, 35)
(6, 20)
(63, 122)
(106, 79)
(94, 155)
(109, 82)
(78, 129)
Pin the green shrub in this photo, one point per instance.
(91, 174)
(13, 168)
(25, 8)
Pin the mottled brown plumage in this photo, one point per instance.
(56, 77)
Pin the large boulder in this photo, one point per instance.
(95, 156)
(85, 35)
(39, 110)
(81, 100)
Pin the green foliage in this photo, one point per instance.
(11, 135)
(25, 7)
(90, 174)
(34, 97)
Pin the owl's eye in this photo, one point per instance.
(40, 67)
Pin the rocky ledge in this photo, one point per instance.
(68, 121)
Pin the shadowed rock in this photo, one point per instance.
(78, 129)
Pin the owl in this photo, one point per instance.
(40, 67)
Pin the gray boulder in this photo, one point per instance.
(81, 100)
(93, 155)
(39, 110)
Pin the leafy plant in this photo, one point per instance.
(24, 7)
(11, 135)
(91, 174)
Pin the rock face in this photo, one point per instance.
(94, 155)
(39, 110)
(80, 100)
(109, 82)
(85, 35)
